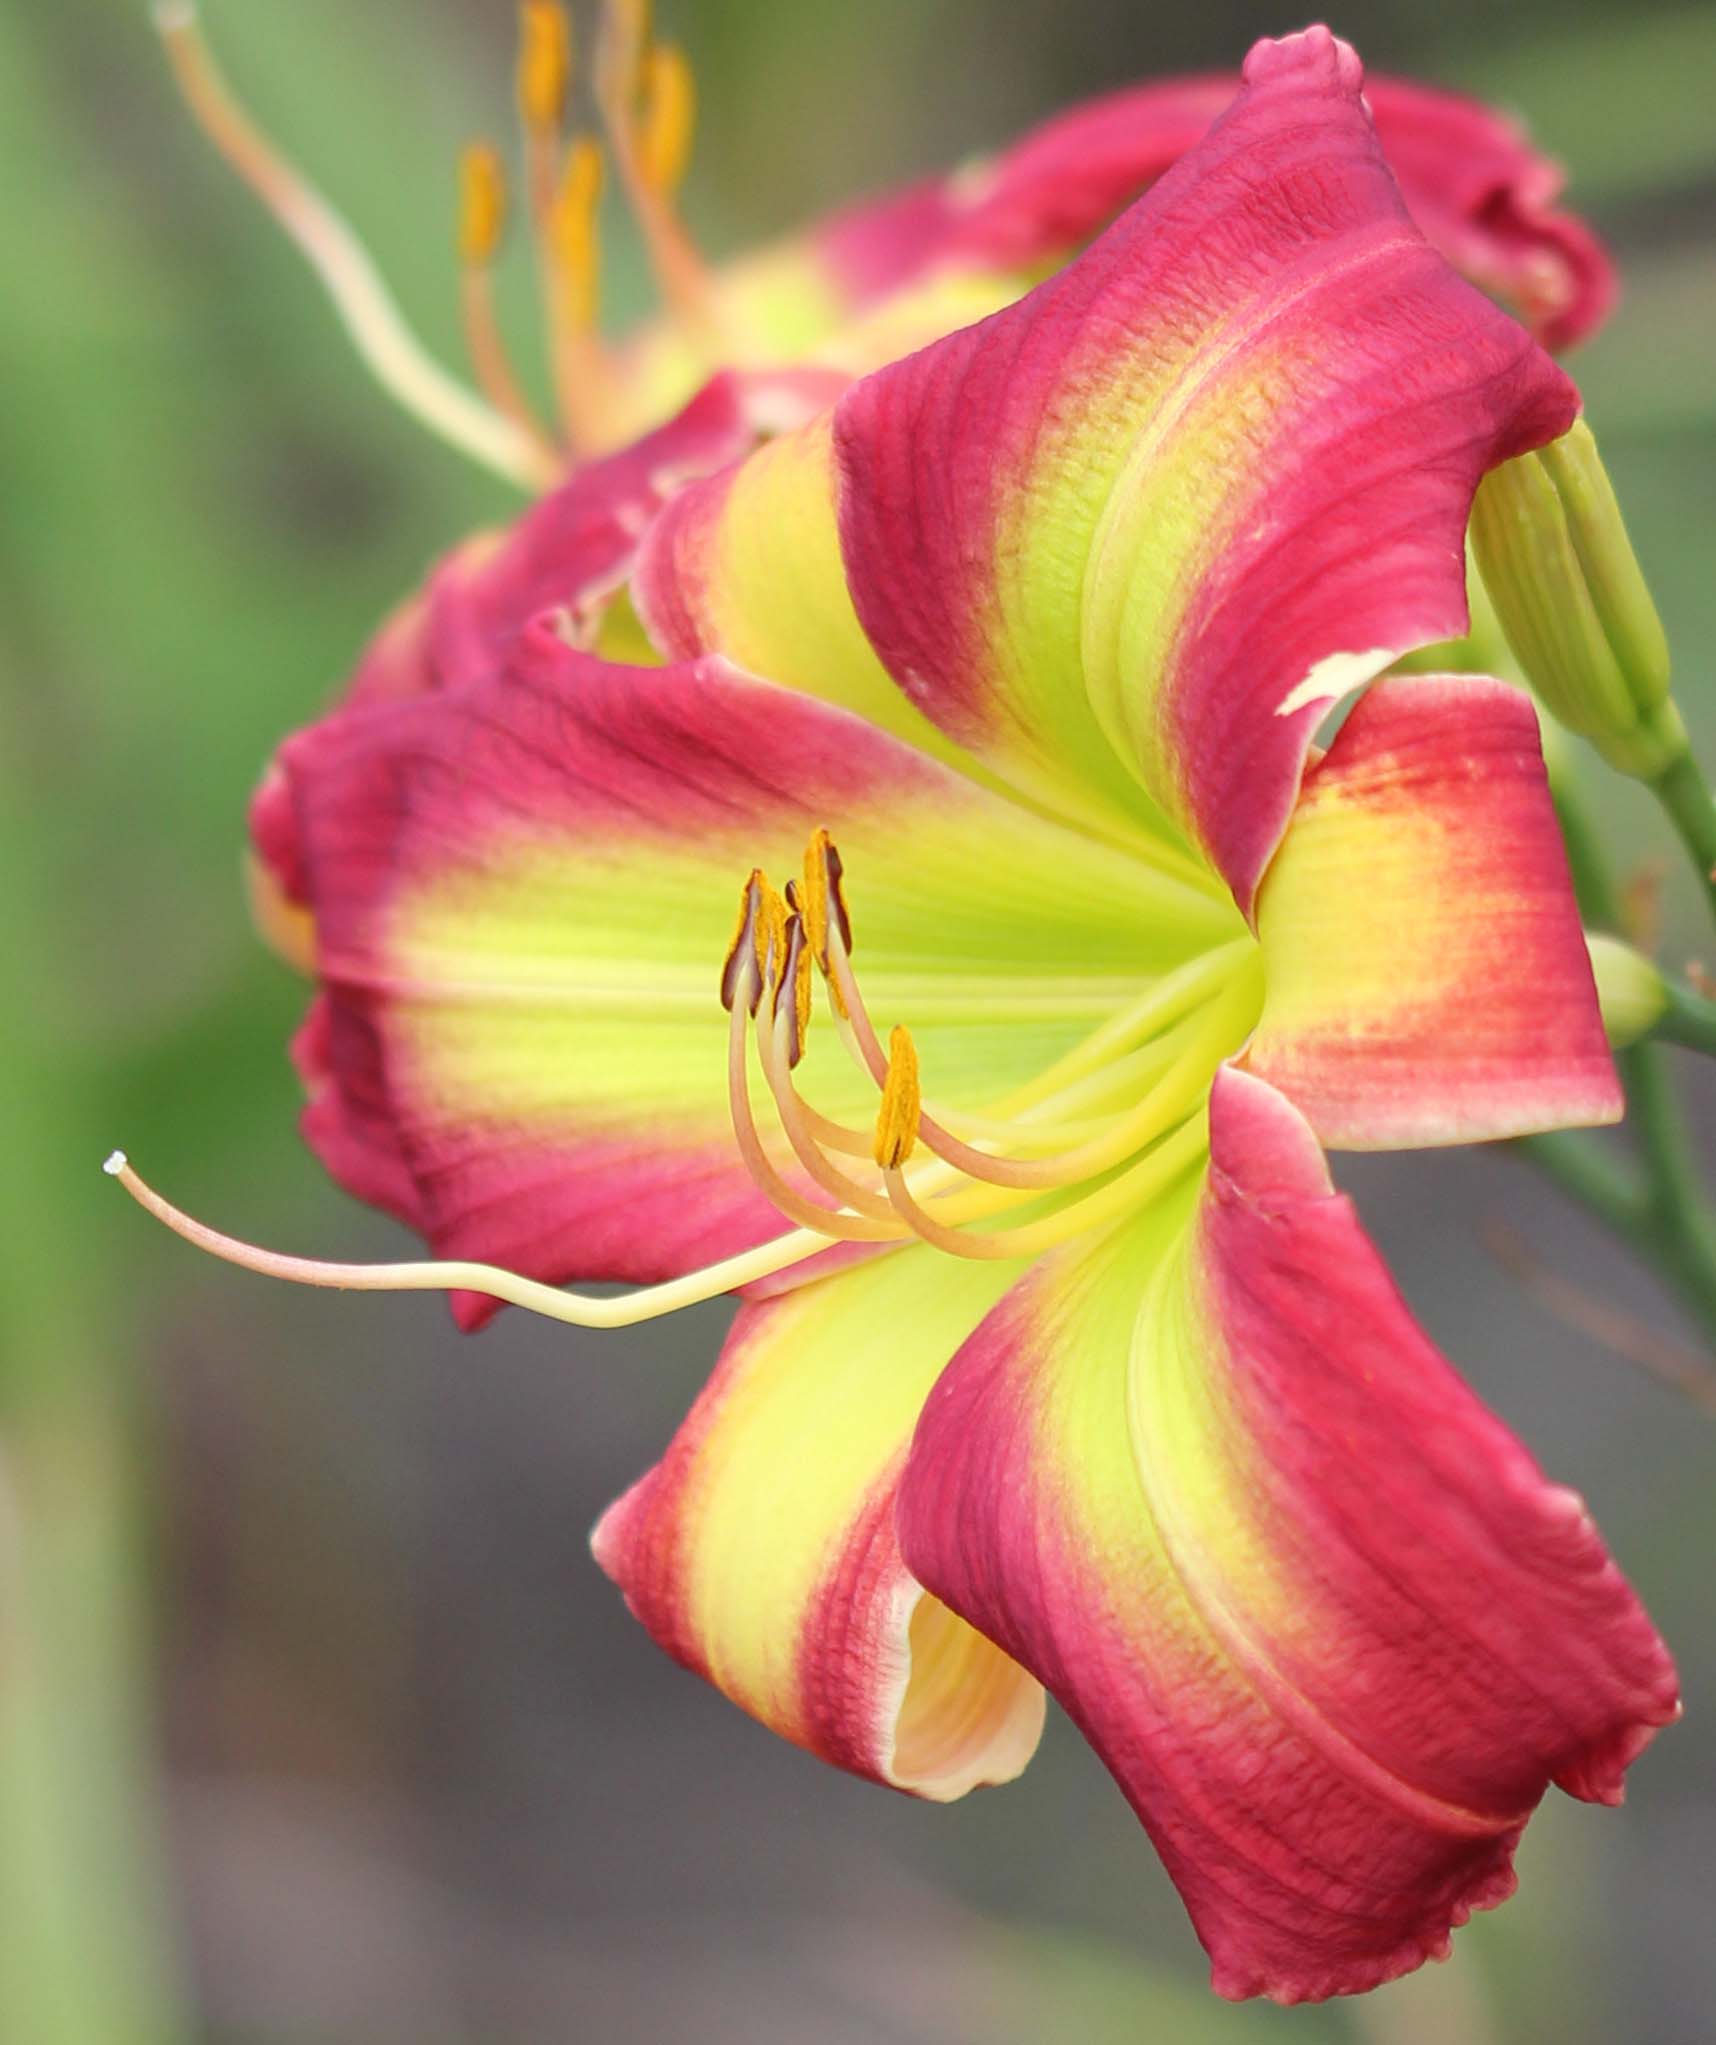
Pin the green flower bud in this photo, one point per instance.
(1630, 991)
(1561, 572)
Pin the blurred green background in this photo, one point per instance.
(316, 1721)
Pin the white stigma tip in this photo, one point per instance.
(114, 1163)
(171, 15)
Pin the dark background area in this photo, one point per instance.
(317, 1723)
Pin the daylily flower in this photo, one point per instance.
(1075, 1372)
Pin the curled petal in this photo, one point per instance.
(1470, 178)
(761, 1551)
(1319, 1612)
(1146, 524)
(1428, 979)
(522, 890)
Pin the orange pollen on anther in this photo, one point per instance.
(902, 1103)
(769, 934)
(482, 204)
(544, 64)
(669, 118)
(575, 234)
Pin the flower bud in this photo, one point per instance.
(1566, 585)
(1631, 993)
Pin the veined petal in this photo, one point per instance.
(523, 890)
(1470, 178)
(748, 564)
(1317, 1609)
(1150, 521)
(880, 278)
(1428, 980)
(576, 545)
(761, 1552)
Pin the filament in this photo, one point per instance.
(842, 1227)
(482, 225)
(644, 93)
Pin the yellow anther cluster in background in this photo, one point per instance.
(482, 204)
(544, 64)
(668, 120)
(902, 1103)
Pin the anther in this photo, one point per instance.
(482, 222)
(897, 1118)
(741, 972)
(669, 118)
(544, 65)
(792, 1004)
(575, 236)
(482, 205)
(769, 935)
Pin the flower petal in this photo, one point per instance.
(1317, 1610)
(761, 1553)
(1470, 178)
(1427, 976)
(1152, 519)
(523, 890)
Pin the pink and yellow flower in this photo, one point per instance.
(1075, 1372)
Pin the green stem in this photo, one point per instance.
(1663, 1216)
(1679, 1234)
(1686, 800)
(1689, 1019)
(1590, 870)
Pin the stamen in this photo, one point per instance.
(770, 934)
(569, 246)
(824, 895)
(772, 1048)
(792, 1006)
(902, 1105)
(544, 65)
(841, 1227)
(482, 205)
(393, 354)
(580, 1310)
(640, 97)
(744, 968)
(669, 118)
(482, 224)
(576, 234)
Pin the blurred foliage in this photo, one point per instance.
(357, 1640)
